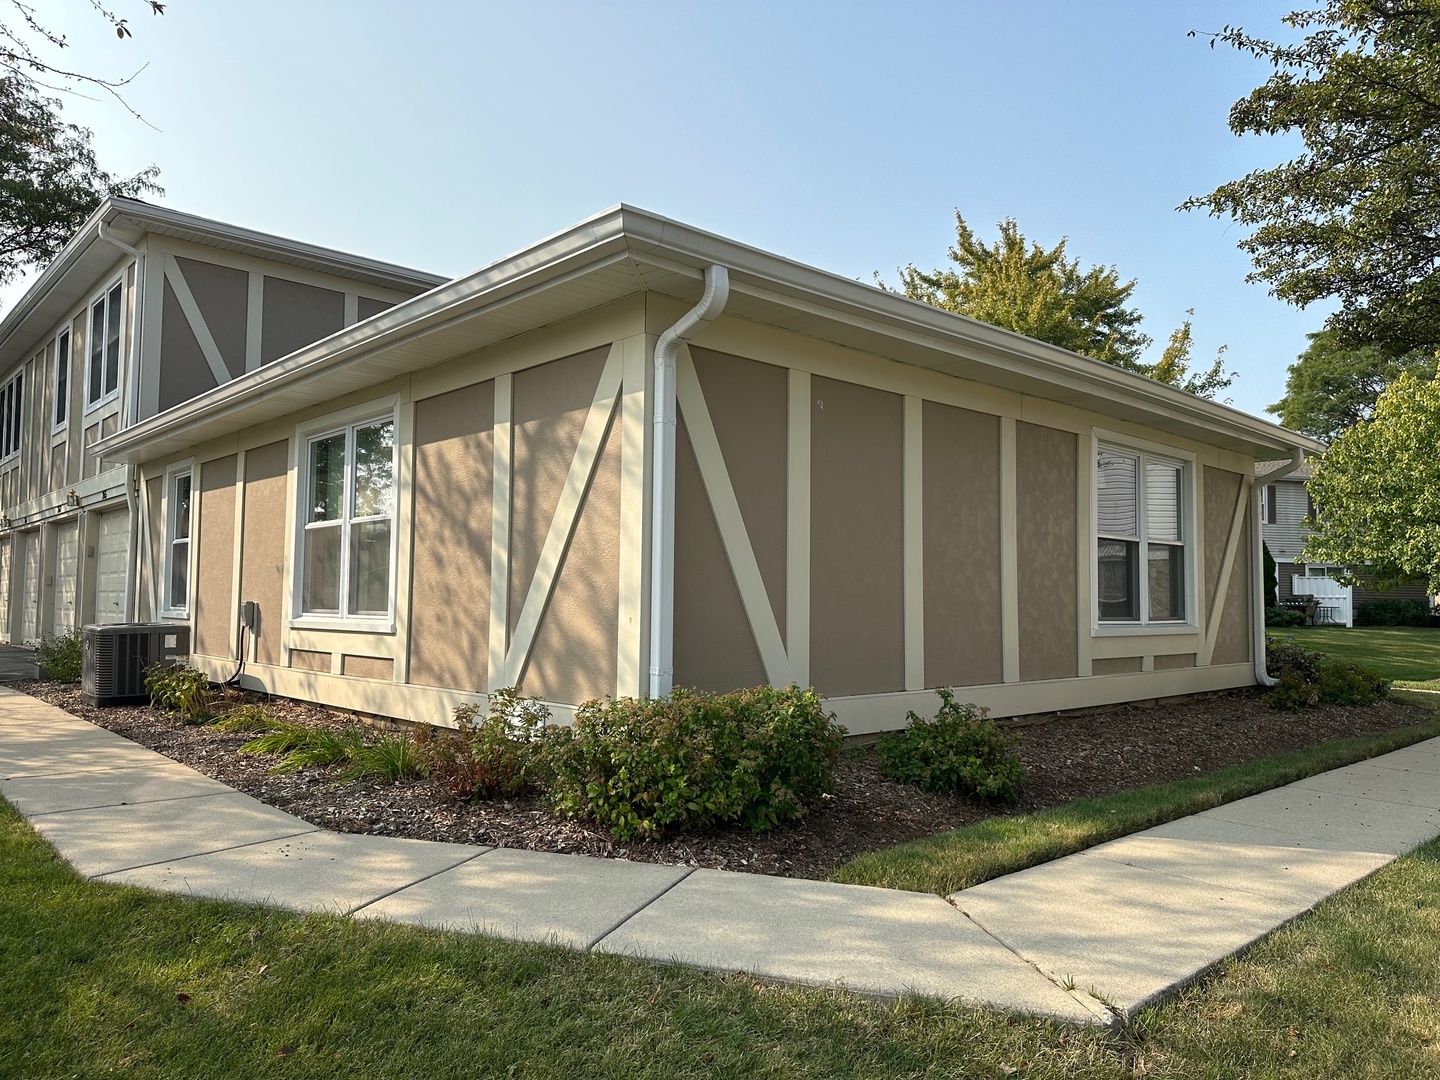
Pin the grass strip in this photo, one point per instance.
(960, 858)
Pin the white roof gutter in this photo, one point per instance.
(662, 501)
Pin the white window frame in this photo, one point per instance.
(346, 421)
(17, 382)
(62, 363)
(1189, 519)
(167, 504)
(102, 297)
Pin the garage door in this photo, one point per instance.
(111, 562)
(5, 589)
(30, 587)
(67, 565)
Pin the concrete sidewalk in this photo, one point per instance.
(1113, 928)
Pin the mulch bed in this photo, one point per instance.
(1066, 757)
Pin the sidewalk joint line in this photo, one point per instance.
(136, 802)
(201, 854)
(688, 871)
(411, 884)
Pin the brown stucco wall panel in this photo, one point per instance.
(714, 646)
(1045, 485)
(454, 479)
(548, 413)
(1174, 662)
(184, 372)
(310, 660)
(857, 599)
(214, 560)
(295, 315)
(222, 294)
(367, 667)
(1232, 641)
(962, 546)
(1118, 665)
(366, 308)
(573, 658)
(262, 555)
(154, 493)
(749, 407)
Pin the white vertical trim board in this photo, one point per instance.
(1009, 556)
(797, 529)
(500, 531)
(402, 572)
(914, 512)
(567, 514)
(733, 534)
(351, 314)
(198, 326)
(631, 629)
(254, 319)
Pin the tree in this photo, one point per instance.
(1356, 216)
(1040, 293)
(1331, 387)
(49, 180)
(29, 48)
(1377, 489)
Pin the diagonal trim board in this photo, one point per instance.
(198, 327)
(733, 533)
(567, 515)
(1222, 586)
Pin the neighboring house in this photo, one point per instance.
(143, 309)
(488, 486)
(1286, 510)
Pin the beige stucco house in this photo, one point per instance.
(638, 455)
(143, 309)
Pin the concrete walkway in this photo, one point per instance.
(1080, 939)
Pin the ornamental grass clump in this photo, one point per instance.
(495, 755)
(960, 750)
(650, 767)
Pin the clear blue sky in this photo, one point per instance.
(444, 135)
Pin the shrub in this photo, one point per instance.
(1305, 678)
(1283, 617)
(181, 689)
(653, 766)
(59, 658)
(1272, 578)
(499, 754)
(393, 757)
(1392, 612)
(960, 750)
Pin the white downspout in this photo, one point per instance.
(130, 408)
(662, 503)
(1257, 563)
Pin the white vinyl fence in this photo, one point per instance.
(1337, 607)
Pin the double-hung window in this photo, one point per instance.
(1141, 532)
(62, 380)
(103, 371)
(12, 412)
(177, 579)
(348, 537)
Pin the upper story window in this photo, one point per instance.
(1268, 504)
(62, 379)
(12, 412)
(1141, 537)
(347, 542)
(177, 531)
(103, 369)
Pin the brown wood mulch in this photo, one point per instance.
(1066, 757)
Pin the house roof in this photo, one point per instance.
(625, 250)
(75, 272)
(1304, 472)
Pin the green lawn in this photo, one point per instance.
(1408, 655)
(102, 980)
(960, 858)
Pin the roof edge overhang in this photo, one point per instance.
(626, 234)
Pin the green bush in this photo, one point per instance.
(1305, 678)
(179, 688)
(1392, 612)
(653, 766)
(1272, 578)
(497, 755)
(59, 658)
(1283, 617)
(960, 750)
